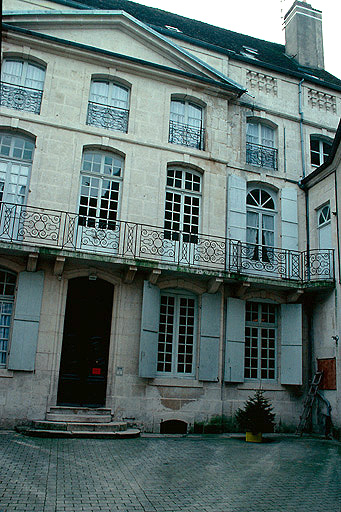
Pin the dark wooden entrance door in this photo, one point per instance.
(84, 360)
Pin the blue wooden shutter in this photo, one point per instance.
(149, 330)
(235, 340)
(289, 219)
(236, 208)
(291, 344)
(24, 337)
(210, 336)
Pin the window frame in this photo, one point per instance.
(97, 221)
(261, 251)
(170, 215)
(108, 115)
(259, 325)
(260, 154)
(6, 298)
(185, 133)
(178, 295)
(322, 154)
(26, 98)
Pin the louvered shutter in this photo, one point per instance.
(235, 340)
(289, 219)
(24, 336)
(149, 330)
(210, 336)
(291, 344)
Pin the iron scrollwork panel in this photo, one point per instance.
(20, 98)
(104, 116)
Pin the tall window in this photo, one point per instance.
(324, 227)
(177, 334)
(7, 289)
(101, 177)
(260, 145)
(260, 225)
(16, 155)
(186, 124)
(182, 206)
(319, 150)
(260, 341)
(108, 105)
(22, 84)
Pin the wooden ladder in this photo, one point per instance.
(308, 403)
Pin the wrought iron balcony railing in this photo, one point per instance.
(186, 135)
(20, 98)
(36, 227)
(262, 156)
(104, 116)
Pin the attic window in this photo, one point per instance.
(175, 29)
(247, 51)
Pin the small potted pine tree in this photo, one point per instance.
(256, 417)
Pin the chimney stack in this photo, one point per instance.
(303, 35)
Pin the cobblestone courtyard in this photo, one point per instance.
(169, 475)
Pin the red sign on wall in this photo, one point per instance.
(96, 371)
(328, 367)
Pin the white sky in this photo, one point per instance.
(260, 18)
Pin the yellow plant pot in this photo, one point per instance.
(254, 438)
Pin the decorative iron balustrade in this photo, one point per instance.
(261, 156)
(20, 98)
(104, 116)
(32, 226)
(186, 135)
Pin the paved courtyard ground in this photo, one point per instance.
(212, 474)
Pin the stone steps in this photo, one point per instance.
(67, 422)
(68, 434)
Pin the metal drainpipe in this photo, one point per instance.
(310, 327)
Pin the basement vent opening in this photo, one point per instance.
(173, 427)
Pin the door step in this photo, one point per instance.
(121, 434)
(79, 422)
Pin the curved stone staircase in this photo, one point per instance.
(67, 422)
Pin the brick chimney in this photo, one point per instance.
(303, 34)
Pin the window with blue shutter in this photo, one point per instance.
(235, 340)
(24, 337)
(210, 336)
(291, 344)
(149, 330)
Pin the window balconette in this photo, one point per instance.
(261, 156)
(186, 135)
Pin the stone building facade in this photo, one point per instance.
(153, 224)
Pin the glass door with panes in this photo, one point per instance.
(16, 155)
(98, 227)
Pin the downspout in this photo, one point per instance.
(306, 270)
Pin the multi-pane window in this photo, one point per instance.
(108, 105)
(7, 289)
(22, 84)
(101, 177)
(324, 227)
(260, 145)
(186, 124)
(177, 335)
(260, 225)
(16, 155)
(260, 341)
(319, 150)
(182, 205)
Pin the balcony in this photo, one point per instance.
(104, 116)
(186, 135)
(128, 242)
(261, 156)
(20, 98)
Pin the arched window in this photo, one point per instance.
(22, 84)
(186, 124)
(7, 290)
(260, 225)
(101, 177)
(182, 205)
(260, 145)
(319, 149)
(324, 227)
(108, 105)
(16, 155)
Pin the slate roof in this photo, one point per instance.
(269, 55)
